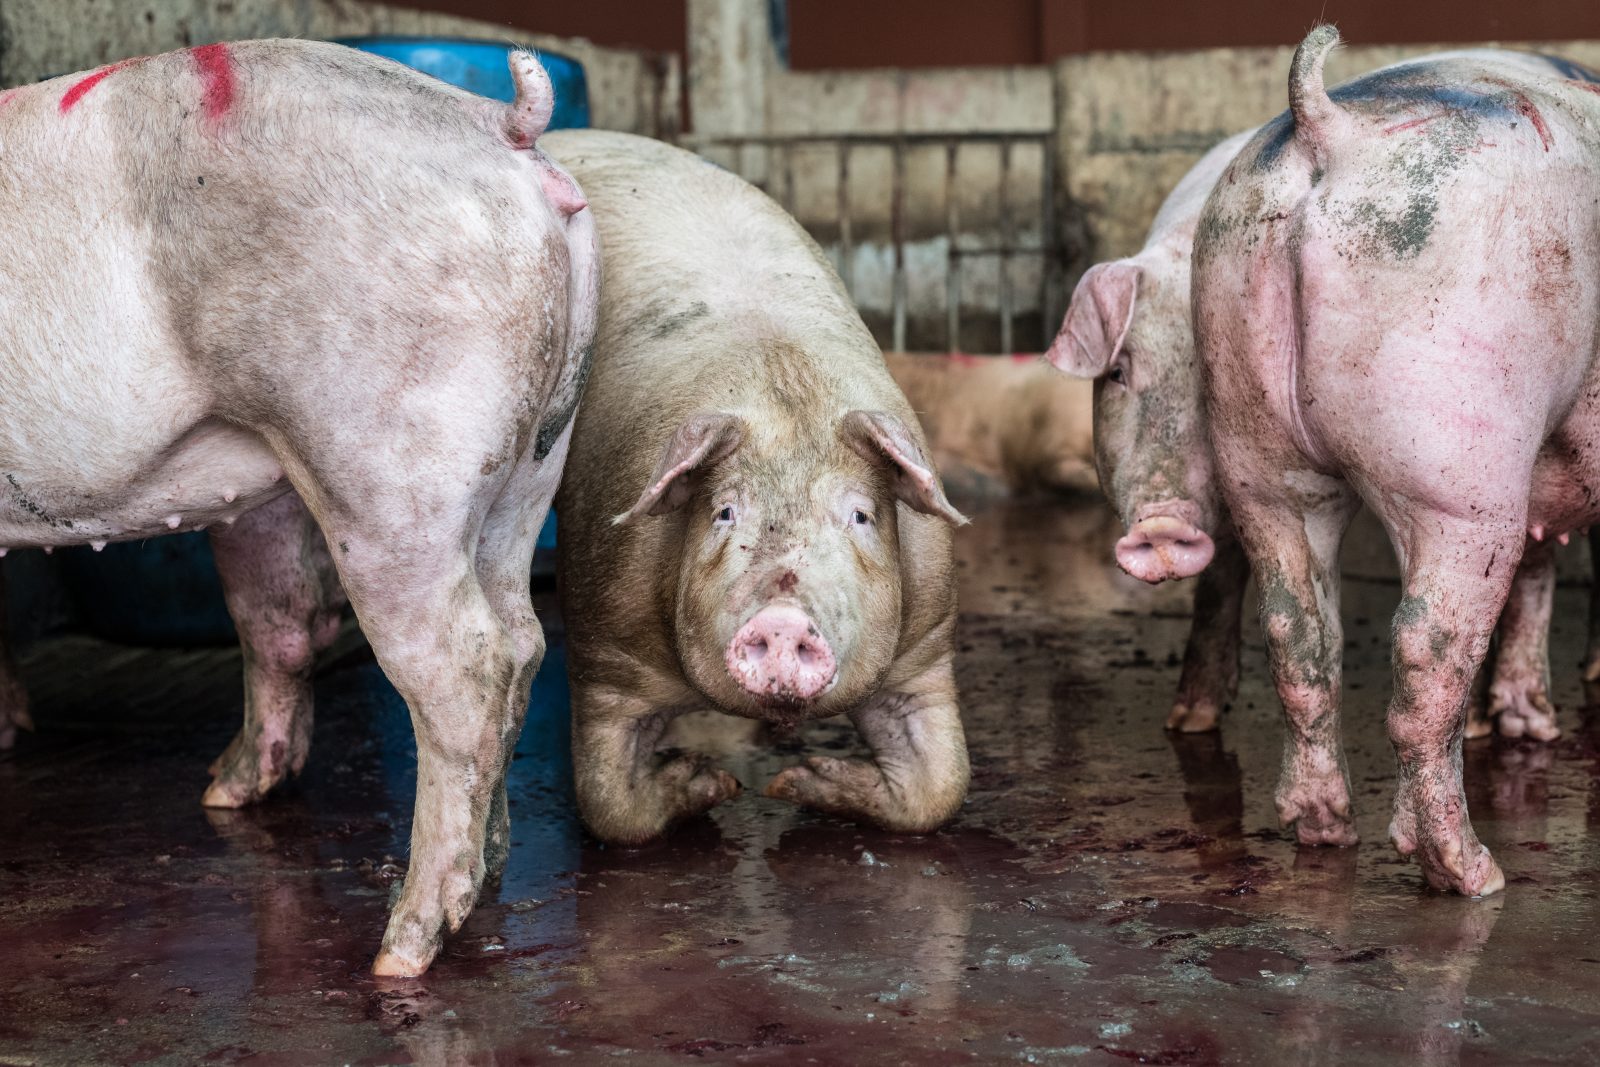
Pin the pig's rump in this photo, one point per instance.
(228, 263)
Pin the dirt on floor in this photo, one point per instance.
(1111, 893)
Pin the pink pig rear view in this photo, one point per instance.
(1396, 300)
(243, 268)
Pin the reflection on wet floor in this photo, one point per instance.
(1110, 893)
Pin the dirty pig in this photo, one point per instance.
(1129, 329)
(750, 521)
(1396, 286)
(1000, 425)
(244, 270)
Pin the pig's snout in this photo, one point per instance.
(780, 656)
(1163, 547)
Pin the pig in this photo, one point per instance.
(1002, 422)
(750, 523)
(247, 269)
(1128, 327)
(1395, 293)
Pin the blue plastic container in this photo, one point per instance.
(166, 591)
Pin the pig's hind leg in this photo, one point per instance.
(1456, 575)
(1519, 691)
(918, 774)
(284, 596)
(1292, 536)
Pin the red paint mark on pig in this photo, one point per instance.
(1414, 123)
(1526, 107)
(220, 86)
(80, 88)
(1592, 87)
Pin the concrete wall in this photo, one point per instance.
(1131, 124)
(628, 90)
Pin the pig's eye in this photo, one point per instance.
(860, 518)
(1117, 374)
(725, 515)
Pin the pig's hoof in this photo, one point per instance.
(856, 789)
(1526, 712)
(1465, 867)
(693, 785)
(1479, 722)
(1196, 716)
(1318, 819)
(244, 773)
(393, 964)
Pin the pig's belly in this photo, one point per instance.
(213, 472)
(1565, 494)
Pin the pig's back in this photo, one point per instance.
(701, 271)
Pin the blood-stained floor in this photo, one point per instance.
(1110, 893)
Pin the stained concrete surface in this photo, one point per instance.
(1109, 894)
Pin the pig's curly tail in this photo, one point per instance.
(1316, 117)
(528, 116)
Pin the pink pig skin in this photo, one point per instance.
(1396, 301)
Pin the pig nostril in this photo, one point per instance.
(807, 656)
(755, 651)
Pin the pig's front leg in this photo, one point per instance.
(14, 714)
(1591, 661)
(1456, 581)
(628, 793)
(918, 773)
(1519, 692)
(284, 596)
(1210, 676)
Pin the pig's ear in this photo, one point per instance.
(700, 444)
(1097, 320)
(884, 440)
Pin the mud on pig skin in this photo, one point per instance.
(1395, 298)
(1129, 328)
(750, 522)
(244, 270)
(1000, 421)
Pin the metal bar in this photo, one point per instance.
(1006, 346)
(952, 268)
(846, 249)
(975, 137)
(985, 251)
(898, 237)
(1048, 244)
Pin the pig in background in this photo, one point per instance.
(1000, 425)
(1129, 328)
(1396, 291)
(242, 272)
(750, 522)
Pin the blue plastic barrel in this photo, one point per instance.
(480, 67)
(166, 591)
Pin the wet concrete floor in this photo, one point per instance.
(1110, 893)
